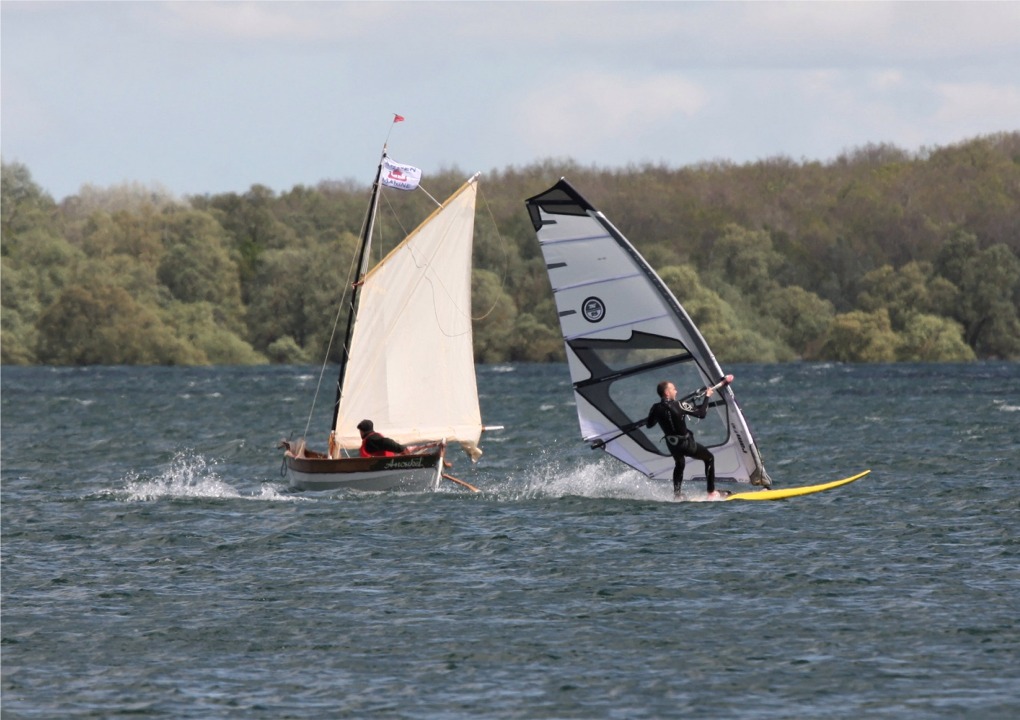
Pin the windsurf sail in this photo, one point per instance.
(624, 332)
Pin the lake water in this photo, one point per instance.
(155, 565)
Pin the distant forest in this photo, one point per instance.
(880, 255)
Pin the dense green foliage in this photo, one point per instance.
(878, 256)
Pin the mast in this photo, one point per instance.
(363, 258)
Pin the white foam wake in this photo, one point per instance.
(190, 475)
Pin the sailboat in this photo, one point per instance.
(625, 331)
(407, 361)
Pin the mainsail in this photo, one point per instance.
(410, 361)
(624, 332)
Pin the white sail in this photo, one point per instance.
(411, 363)
(624, 332)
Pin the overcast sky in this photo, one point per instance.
(204, 97)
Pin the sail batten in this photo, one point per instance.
(637, 370)
(602, 331)
(583, 238)
(589, 283)
(624, 331)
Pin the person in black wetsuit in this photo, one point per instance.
(671, 416)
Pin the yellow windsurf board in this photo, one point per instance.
(781, 493)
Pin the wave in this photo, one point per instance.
(189, 476)
(561, 479)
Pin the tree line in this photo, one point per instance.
(880, 255)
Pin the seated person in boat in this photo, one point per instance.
(375, 444)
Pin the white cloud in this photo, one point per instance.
(181, 90)
(280, 21)
(579, 112)
(979, 105)
(887, 80)
(245, 20)
(863, 34)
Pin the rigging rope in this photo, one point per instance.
(348, 285)
(506, 255)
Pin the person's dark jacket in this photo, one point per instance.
(378, 444)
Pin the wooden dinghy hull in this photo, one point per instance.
(416, 472)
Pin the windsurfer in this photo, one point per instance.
(671, 416)
(375, 444)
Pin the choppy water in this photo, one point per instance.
(155, 566)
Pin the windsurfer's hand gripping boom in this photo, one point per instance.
(707, 391)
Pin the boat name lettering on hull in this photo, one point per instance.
(406, 463)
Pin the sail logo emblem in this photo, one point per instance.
(593, 309)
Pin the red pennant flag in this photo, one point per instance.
(398, 118)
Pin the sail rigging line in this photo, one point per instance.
(404, 232)
(347, 285)
(384, 239)
(329, 346)
(438, 204)
(506, 257)
(364, 254)
(361, 260)
(397, 117)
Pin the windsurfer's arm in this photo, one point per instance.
(700, 411)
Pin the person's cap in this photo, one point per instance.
(366, 426)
